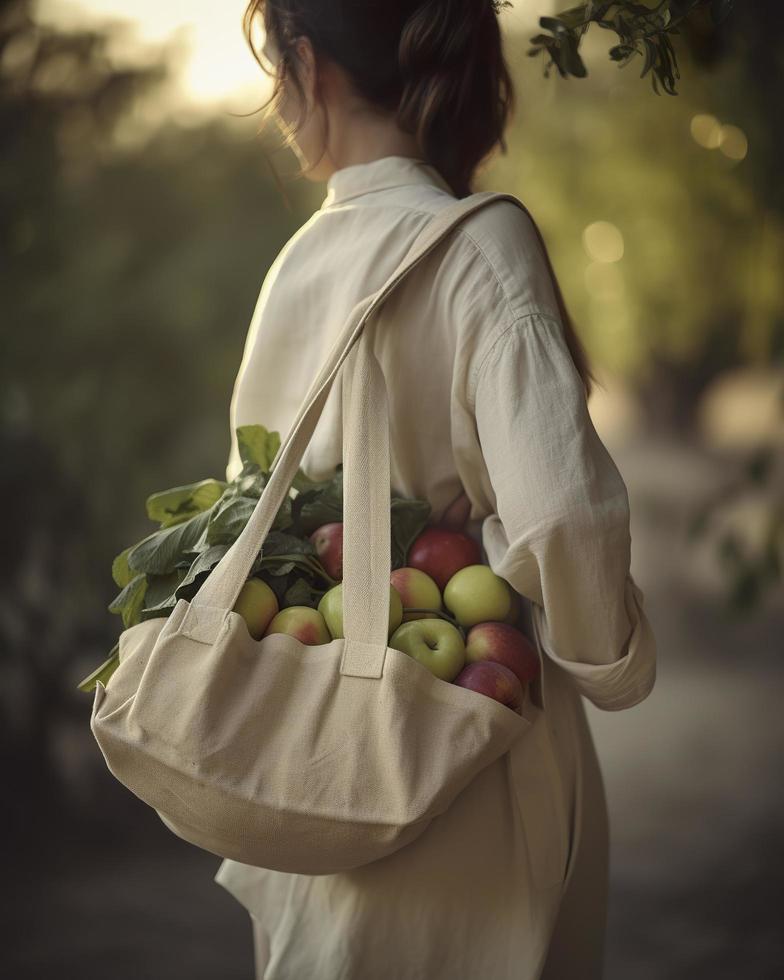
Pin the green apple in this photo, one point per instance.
(476, 594)
(434, 643)
(331, 608)
(303, 622)
(257, 604)
(417, 590)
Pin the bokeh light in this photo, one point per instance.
(603, 242)
(706, 130)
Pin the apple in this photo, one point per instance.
(457, 513)
(416, 590)
(257, 604)
(503, 644)
(440, 552)
(475, 594)
(328, 542)
(494, 680)
(331, 608)
(303, 622)
(434, 643)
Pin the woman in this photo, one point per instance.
(395, 105)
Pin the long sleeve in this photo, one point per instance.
(560, 534)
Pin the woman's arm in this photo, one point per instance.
(560, 533)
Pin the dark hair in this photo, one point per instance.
(438, 65)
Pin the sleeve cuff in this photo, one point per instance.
(627, 680)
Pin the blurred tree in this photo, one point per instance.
(702, 298)
(130, 269)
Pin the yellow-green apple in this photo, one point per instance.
(303, 622)
(416, 590)
(434, 643)
(328, 542)
(440, 552)
(331, 608)
(257, 604)
(503, 644)
(494, 680)
(475, 594)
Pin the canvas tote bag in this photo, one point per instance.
(281, 755)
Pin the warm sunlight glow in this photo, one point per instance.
(216, 66)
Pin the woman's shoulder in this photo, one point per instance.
(505, 237)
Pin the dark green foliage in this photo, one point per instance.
(641, 30)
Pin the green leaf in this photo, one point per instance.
(281, 543)
(408, 519)
(179, 504)
(570, 57)
(230, 517)
(161, 589)
(257, 445)
(621, 52)
(321, 504)
(229, 520)
(303, 482)
(204, 562)
(250, 482)
(552, 24)
(160, 553)
(121, 570)
(129, 602)
(650, 56)
(102, 673)
(301, 594)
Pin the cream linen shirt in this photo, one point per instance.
(484, 399)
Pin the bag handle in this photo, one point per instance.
(366, 489)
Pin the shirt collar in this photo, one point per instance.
(380, 174)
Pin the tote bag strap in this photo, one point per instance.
(367, 536)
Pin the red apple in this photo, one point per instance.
(455, 517)
(494, 680)
(441, 552)
(328, 541)
(503, 644)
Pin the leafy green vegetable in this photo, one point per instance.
(200, 521)
(181, 503)
(257, 445)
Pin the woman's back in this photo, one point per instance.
(484, 399)
(430, 336)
